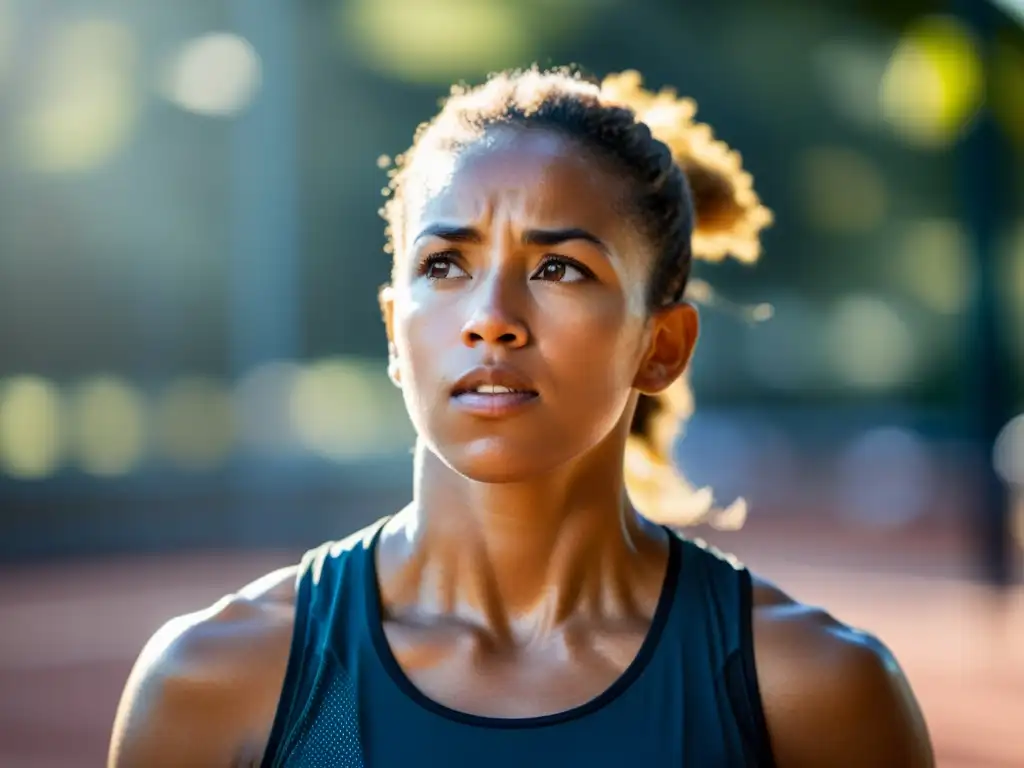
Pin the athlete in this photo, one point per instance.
(520, 611)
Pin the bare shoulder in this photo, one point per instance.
(204, 690)
(832, 695)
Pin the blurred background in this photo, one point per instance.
(192, 380)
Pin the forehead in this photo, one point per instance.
(526, 175)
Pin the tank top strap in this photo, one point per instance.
(328, 608)
(718, 588)
(713, 579)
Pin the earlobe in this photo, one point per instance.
(652, 378)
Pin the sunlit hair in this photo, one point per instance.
(691, 198)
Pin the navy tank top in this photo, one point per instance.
(689, 698)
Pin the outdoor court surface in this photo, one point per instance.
(69, 634)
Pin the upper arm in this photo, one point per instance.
(833, 695)
(204, 690)
(164, 715)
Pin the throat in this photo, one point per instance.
(512, 596)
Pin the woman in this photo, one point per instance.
(520, 611)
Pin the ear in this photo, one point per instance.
(673, 336)
(386, 298)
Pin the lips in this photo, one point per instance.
(494, 392)
(493, 381)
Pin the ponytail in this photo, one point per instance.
(728, 219)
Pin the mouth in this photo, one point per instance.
(494, 391)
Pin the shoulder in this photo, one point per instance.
(832, 695)
(204, 690)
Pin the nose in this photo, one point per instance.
(494, 320)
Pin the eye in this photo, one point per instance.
(562, 270)
(441, 266)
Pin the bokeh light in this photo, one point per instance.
(1008, 453)
(262, 407)
(30, 428)
(107, 426)
(216, 75)
(850, 71)
(884, 477)
(842, 189)
(933, 263)
(436, 40)
(86, 103)
(195, 426)
(934, 83)
(1014, 8)
(339, 409)
(870, 345)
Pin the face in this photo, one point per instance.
(517, 311)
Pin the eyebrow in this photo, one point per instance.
(559, 236)
(451, 233)
(547, 237)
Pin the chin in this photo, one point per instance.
(496, 461)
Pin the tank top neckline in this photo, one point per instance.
(382, 649)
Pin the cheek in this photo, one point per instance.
(597, 347)
(411, 339)
(413, 332)
(424, 330)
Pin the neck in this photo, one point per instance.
(521, 557)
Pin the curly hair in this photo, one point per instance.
(690, 196)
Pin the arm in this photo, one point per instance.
(832, 696)
(204, 690)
